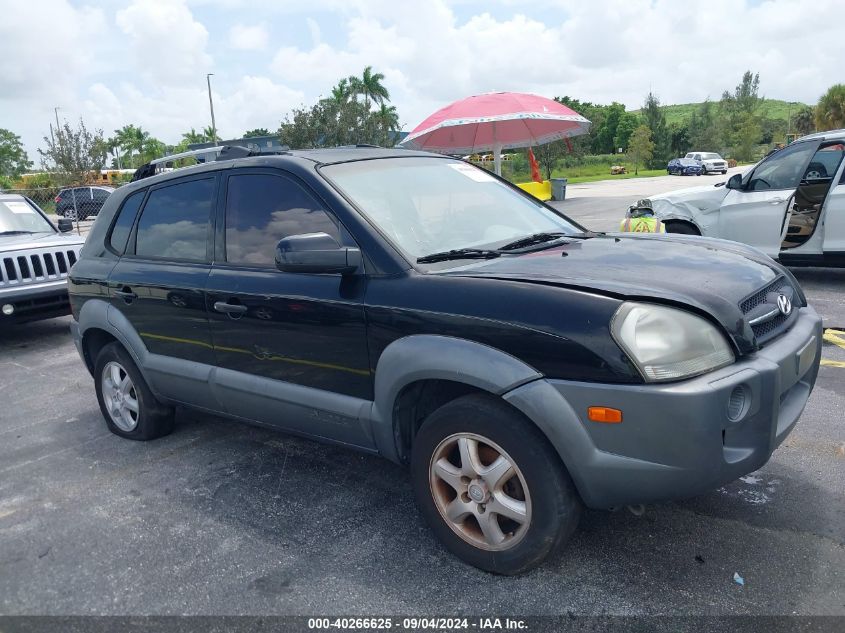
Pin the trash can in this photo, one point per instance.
(559, 188)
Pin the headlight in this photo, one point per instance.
(668, 344)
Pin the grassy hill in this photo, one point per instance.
(772, 109)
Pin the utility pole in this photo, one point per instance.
(211, 105)
(56, 112)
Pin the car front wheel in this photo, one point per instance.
(491, 486)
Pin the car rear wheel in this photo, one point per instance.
(491, 486)
(128, 406)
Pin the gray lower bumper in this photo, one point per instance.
(676, 440)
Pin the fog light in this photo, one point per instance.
(738, 403)
(8, 309)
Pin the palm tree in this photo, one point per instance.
(802, 121)
(211, 134)
(369, 85)
(126, 139)
(388, 119)
(830, 112)
(341, 92)
(194, 137)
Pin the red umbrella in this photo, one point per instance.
(496, 121)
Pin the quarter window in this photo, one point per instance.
(261, 209)
(174, 222)
(125, 219)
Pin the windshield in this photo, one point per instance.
(18, 215)
(427, 205)
(710, 156)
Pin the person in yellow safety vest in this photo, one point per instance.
(640, 218)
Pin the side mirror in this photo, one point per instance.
(734, 182)
(65, 225)
(316, 253)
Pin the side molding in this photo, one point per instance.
(433, 357)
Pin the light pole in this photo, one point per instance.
(211, 105)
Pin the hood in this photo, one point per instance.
(709, 276)
(38, 240)
(689, 204)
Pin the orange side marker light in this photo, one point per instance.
(604, 414)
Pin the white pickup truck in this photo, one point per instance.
(790, 205)
(711, 162)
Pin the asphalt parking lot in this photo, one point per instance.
(222, 518)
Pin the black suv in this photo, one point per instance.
(79, 203)
(415, 306)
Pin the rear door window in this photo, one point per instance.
(175, 221)
(261, 209)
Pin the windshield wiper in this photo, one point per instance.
(16, 232)
(458, 253)
(530, 240)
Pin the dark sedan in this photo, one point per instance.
(684, 167)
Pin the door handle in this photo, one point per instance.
(777, 200)
(229, 308)
(126, 294)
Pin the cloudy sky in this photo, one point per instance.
(144, 61)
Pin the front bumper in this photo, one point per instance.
(676, 440)
(35, 301)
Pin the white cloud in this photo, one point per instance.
(168, 44)
(44, 48)
(248, 38)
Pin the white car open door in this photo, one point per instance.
(756, 209)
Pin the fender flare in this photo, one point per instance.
(436, 357)
(101, 315)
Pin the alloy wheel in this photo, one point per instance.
(120, 397)
(480, 491)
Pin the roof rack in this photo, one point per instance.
(194, 152)
(224, 152)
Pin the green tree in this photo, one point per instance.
(388, 121)
(640, 147)
(740, 116)
(548, 156)
(371, 87)
(72, 154)
(259, 131)
(606, 132)
(803, 121)
(830, 111)
(654, 118)
(627, 124)
(211, 134)
(13, 158)
(703, 128)
(342, 91)
(193, 137)
(679, 138)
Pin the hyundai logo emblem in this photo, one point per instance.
(784, 305)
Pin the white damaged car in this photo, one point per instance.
(790, 205)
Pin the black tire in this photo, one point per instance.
(703, 170)
(683, 228)
(553, 506)
(724, 172)
(153, 419)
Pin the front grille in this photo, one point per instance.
(768, 330)
(37, 265)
